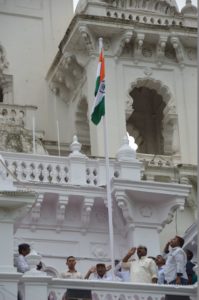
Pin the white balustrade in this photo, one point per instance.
(107, 290)
(15, 114)
(56, 170)
(67, 170)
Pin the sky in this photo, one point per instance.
(180, 3)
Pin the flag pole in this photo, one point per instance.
(57, 122)
(33, 134)
(108, 188)
(109, 198)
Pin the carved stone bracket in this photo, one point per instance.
(68, 75)
(125, 39)
(169, 211)
(138, 45)
(36, 210)
(88, 39)
(148, 205)
(160, 50)
(86, 211)
(123, 203)
(178, 49)
(61, 209)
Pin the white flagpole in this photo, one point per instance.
(57, 122)
(58, 138)
(108, 194)
(108, 188)
(33, 134)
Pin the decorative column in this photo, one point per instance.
(130, 167)
(34, 282)
(77, 164)
(13, 206)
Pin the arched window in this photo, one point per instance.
(151, 117)
(145, 123)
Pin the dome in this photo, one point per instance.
(189, 9)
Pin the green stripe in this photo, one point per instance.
(97, 85)
(98, 112)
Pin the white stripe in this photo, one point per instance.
(100, 94)
(98, 69)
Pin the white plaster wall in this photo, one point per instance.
(187, 109)
(181, 84)
(181, 221)
(30, 32)
(55, 247)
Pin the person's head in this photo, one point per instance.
(101, 269)
(71, 262)
(141, 251)
(24, 249)
(189, 254)
(177, 241)
(117, 261)
(159, 260)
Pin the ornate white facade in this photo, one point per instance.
(47, 76)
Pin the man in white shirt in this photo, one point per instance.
(21, 263)
(175, 267)
(121, 273)
(71, 273)
(160, 262)
(99, 273)
(144, 269)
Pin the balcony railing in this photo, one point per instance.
(19, 115)
(102, 290)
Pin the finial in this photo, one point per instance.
(76, 147)
(127, 152)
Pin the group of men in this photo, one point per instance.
(174, 266)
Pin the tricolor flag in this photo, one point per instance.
(99, 102)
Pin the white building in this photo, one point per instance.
(48, 65)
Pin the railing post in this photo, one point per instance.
(77, 164)
(35, 287)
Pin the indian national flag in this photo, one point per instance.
(99, 102)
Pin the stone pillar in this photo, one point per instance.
(35, 286)
(7, 250)
(77, 164)
(34, 282)
(130, 167)
(13, 205)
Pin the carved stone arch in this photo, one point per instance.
(82, 124)
(168, 126)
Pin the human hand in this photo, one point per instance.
(154, 280)
(39, 266)
(178, 280)
(92, 269)
(132, 251)
(166, 248)
(108, 268)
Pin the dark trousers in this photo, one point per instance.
(183, 281)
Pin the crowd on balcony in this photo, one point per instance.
(173, 266)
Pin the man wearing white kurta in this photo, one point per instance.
(144, 269)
